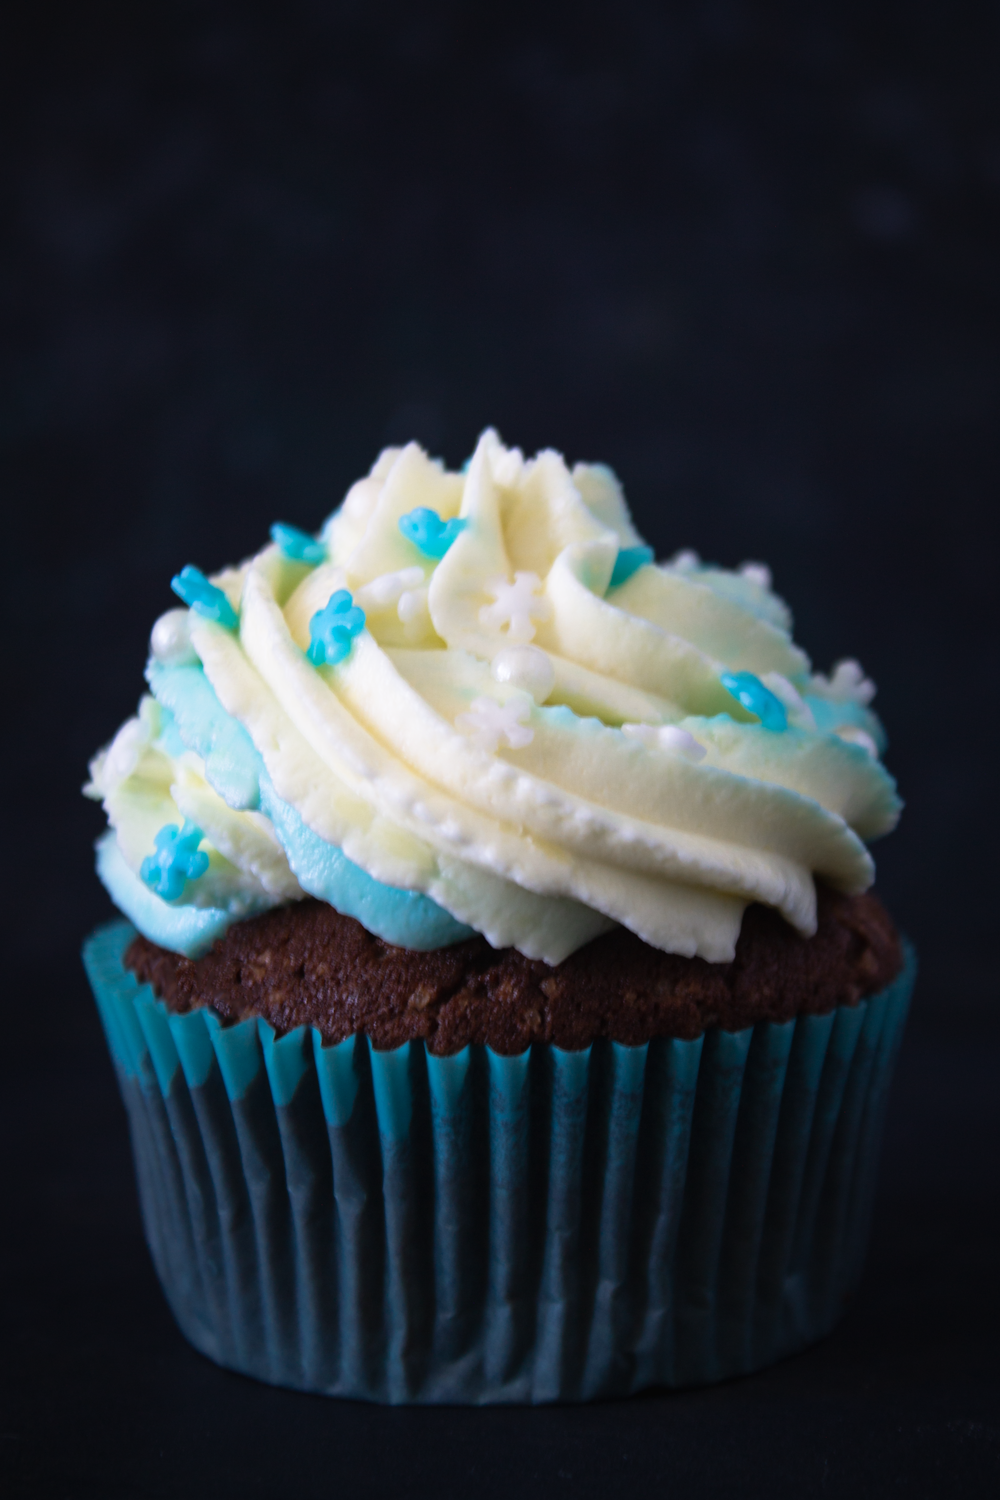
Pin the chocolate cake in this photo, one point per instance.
(308, 965)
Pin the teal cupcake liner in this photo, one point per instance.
(555, 1226)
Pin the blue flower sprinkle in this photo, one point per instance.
(203, 597)
(426, 530)
(332, 629)
(629, 561)
(176, 861)
(752, 693)
(298, 545)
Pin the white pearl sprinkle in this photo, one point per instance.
(758, 573)
(667, 737)
(170, 641)
(526, 667)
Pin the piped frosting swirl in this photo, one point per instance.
(515, 723)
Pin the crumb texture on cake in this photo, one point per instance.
(308, 965)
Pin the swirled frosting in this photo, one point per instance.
(475, 703)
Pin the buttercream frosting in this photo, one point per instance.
(476, 704)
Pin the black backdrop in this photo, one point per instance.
(748, 255)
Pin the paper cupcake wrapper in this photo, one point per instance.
(554, 1226)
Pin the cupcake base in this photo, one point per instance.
(553, 1226)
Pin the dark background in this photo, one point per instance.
(746, 254)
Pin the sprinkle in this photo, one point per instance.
(388, 588)
(751, 692)
(527, 667)
(628, 561)
(170, 641)
(176, 861)
(426, 530)
(488, 723)
(203, 597)
(298, 545)
(799, 712)
(685, 561)
(758, 573)
(412, 605)
(667, 737)
(332, 629)
(517, 606)
(847, 683)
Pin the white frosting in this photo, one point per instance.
(540, 756)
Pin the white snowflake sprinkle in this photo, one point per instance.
(387, 589)
(846, 683)
(517, 606)
(685, 562)
(667, 737)
(489, 723)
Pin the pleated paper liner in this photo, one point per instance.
(550, 1227)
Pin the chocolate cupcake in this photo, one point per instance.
(502, 1012)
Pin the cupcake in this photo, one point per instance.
(500, 1006)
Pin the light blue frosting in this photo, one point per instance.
(232, 762)
(833, 715)
(190, 930)
(234, 767)
(751, 692)
(405, 918)
(629, 561)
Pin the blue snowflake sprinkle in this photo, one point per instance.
(332, 629)
(298, 545)
(203, 597)
(426, 530)
(176, 861)
(629, 561)
(752, 693)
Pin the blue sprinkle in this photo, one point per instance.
(298, 545)
(203, 597)
(754, 696)
(332, 629)
(176, 861)
(426, 530)
(628, 561)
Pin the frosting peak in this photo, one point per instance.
(475, 703)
